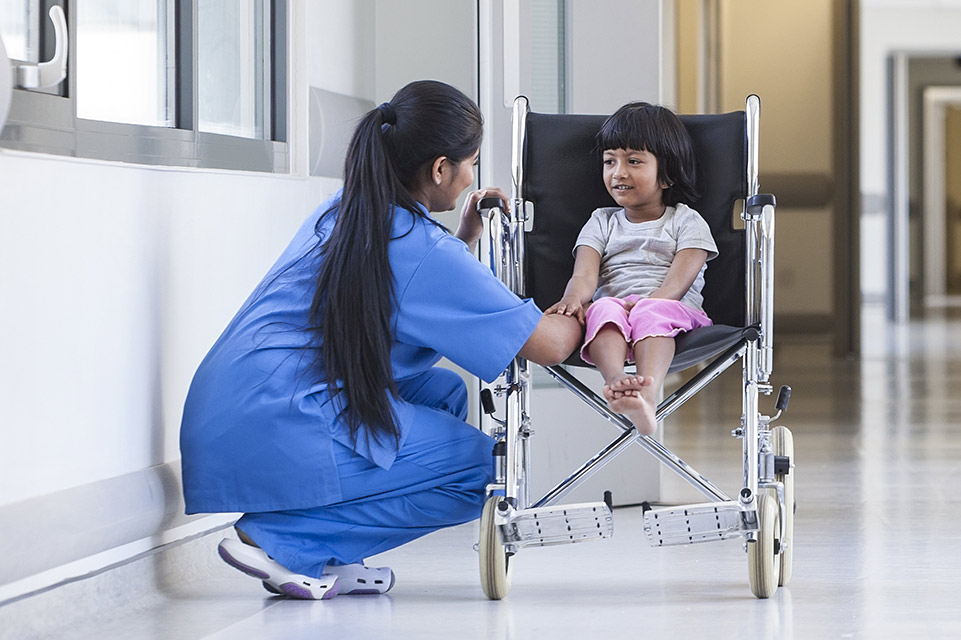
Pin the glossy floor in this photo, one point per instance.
(877, 551)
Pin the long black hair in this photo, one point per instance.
(658, 130)
(391, 153)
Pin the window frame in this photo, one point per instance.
(47, 122)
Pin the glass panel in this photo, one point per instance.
(547, 73)
(233, 67)
(535, 41)
(125, 61)
(19, 24)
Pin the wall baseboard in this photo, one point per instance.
(91, 607)
(82, 531)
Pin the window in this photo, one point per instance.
(548, 55)
(20, 41)
(233, 76)
(537, 67)
(180, 82)
(132, 86)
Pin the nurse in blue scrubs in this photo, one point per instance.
(319, 413)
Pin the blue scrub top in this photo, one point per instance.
(258, 427)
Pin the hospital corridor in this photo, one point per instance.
(297, 266)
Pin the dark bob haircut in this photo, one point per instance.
(658, 130)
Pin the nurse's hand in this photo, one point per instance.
(471, 225)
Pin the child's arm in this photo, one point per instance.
(582, 285)
(684, 269)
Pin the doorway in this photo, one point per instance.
(942, 196)
(925, 96)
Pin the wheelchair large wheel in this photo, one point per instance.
(495, 565)
(783, 443)
(762, 554)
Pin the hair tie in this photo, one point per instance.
(387, 113)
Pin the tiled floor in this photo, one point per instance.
(877, 549)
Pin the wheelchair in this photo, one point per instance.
(557, 183)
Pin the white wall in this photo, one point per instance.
(617, 54)
(340, 41)
(115, 281)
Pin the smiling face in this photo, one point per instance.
(631, 178)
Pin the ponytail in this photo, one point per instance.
(354, 298)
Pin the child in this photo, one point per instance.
(649, 255)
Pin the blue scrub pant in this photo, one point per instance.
(438, 480)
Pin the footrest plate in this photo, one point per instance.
(688, 524)
(558, 525)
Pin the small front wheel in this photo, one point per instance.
(762, 553)
(495, 565)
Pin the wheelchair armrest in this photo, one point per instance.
(757, 202)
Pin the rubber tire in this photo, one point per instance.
(495, 564)
(783, 443)
(762, 557)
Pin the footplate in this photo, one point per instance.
(558, 525)
(692, 523)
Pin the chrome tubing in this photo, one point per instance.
(668, 405)
(752, 124)
(630, 435)
(512, 435)
(766, 363)
(518, 213)
(750, 426)
(701, 380)
(518, 138)
(517, 482)
(588, 469)
(752, 107)
(590, 398)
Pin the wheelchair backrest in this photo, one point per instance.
(563, 179)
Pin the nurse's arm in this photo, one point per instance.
(554, 339)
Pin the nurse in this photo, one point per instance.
(319, 413)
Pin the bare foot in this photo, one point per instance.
(626, 385)
(639, 410)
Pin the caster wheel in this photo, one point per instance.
(495, 565)
(762, 554)
(783, 443)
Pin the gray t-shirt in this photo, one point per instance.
(635, 256)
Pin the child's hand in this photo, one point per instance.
(568, 306)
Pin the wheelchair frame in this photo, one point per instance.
(762, 512)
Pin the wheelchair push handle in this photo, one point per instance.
(758, 201)
(490, 202)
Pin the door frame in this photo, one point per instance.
(936, 102)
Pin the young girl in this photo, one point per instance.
(648, 255)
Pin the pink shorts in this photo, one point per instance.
(648, 318)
